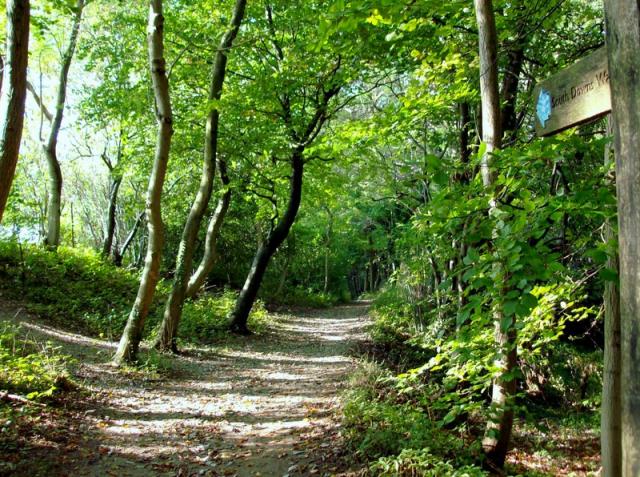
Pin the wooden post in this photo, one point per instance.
(623, 44)
(610, 427)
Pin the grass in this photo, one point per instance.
(36, 371)
(77, 290)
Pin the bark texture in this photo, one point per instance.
(611, 425)
(111, 216)
(173, 310)
(623, 44)
(210, 255)
(13, 94)
(132, 335)
(500, 423)
(489, 91)
(50, 146)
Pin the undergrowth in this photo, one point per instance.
(78, 290)
(205, 320)
(418, 404)
(34, 370)
(71, 287)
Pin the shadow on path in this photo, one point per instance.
(261, 405)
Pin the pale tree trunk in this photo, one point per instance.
(132, 335)
(184, 261)
(498, 432)
(13, 94)
(611, 425)
(623, 44)
(210, 255)
(491, 119)
(50, 146)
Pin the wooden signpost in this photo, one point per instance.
(575, 95)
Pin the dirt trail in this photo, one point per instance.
(261, 406)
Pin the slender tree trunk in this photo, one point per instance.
(111, 216)
(462, 177)
(2, 69)
(327, 247)
(118, 255)
(132, 335)
(611, 425)
(498, 431)
(240, 314)
(13, 94)
(50, 147)
(283, 276)
(491, 122)
(210, 255)
(249, 292)
(510, 86)
(173, 310)
(623, 44)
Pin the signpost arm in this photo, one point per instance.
(623, 44)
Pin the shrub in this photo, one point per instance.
(37, 371)
(422, 463)
(72, 287)
(206, 319)
(397, 432)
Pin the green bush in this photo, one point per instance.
(72, 287)
(75, 288)
(206, 319)
(397, 432)
(27, 368)
(422, 463)
(307, 298)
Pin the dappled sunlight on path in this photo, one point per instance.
(261, 405)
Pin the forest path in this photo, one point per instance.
(260, 406)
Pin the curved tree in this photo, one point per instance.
(173, 310)
(302, 127)
(13, 94)
(50, 145)
(132, 334)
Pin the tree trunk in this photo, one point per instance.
(210, 255)
(500, 423)
(132, 335)
(2, 69)
(13, 94)
(50, 147)
(249, 292)
(465, 143)
(184, 261)
(623, 43)
(118, 255)
(510, 85)
(283, 276)
(327, 247)
(488, 42)
(611, 425)
(111, 216)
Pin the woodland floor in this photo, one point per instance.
(260, 406)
